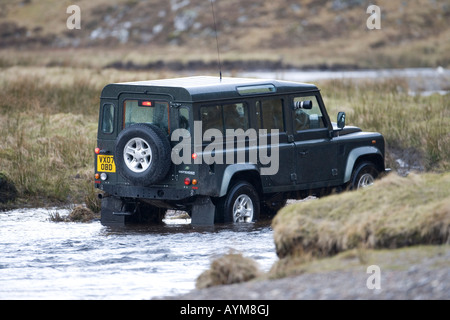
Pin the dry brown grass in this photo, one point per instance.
(396, 212)
(77, 214)
(306, 33)
(408, 122)
(48, 125)
(228, 269)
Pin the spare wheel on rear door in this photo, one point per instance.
(142, 154)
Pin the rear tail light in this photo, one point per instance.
(187, 181)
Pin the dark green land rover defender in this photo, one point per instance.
(223, 150)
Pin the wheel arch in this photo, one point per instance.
(360, 154)
(246, 172)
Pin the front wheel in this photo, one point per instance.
(363, 176)
(240, 205)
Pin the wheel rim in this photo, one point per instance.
(243, 209)
(137, 155)
(366, 180)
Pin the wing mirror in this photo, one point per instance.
(341, 120)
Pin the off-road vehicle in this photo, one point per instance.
(223, 150)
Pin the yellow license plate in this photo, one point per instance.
(106, 163)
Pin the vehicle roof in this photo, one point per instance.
(203, 88)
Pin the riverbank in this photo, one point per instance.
(416, 273)
(327, 248)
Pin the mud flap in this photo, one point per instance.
(111, 205)
(202, 213)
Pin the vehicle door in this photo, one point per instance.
(272, 115)
(315, 152)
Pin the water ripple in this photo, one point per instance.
(40, 259)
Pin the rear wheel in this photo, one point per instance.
(364, 175)
(240, 205)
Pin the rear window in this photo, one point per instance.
(152, 112)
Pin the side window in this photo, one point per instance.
(305, 119)
(108, 118)
(272, 114)
(183, 118)
(211, 117)
(222, 117)
(236, 116)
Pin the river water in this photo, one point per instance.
(422, 81)
(41, 259)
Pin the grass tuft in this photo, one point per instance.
(228, 269)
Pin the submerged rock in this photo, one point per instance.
(8, 191)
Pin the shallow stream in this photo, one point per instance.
(40, 259)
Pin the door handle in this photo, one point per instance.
(304, 152)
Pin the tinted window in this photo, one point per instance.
(157, 113)
(108, 118)
(235, 116)
(272, 114)
(211, 117)
(222, 117)
(183, 119)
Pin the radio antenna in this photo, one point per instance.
(217, 40)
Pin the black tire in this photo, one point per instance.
(240, 204)
(363, 175)
(150, 160)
